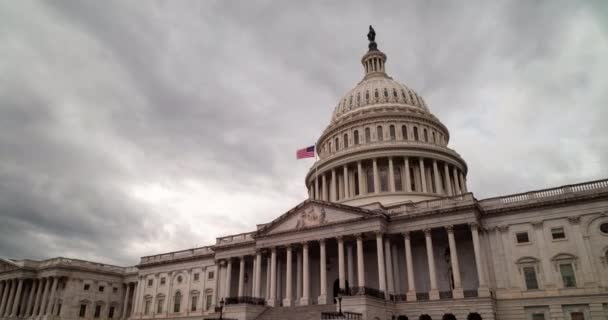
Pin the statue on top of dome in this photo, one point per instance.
(371, 36)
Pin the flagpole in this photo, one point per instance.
(316, 173)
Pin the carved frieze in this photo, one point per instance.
(311, 216)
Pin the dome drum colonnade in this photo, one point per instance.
(383, 145)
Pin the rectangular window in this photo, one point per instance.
(194, 302)
(558, 233)
(58, 309)
(97, 311)
(163, 280)
(522, 237)
(111, 312)
(208, 303)
(210, 276)
(115, 290)
(147, 307)
(196, 277)
(577, 316)
(101, 288)
(567, 275)
(150, 282)
(159, 305)
(530, 277)
(83, 310)
(538, 316)
(86, 287)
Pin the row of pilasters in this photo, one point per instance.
(29, 297)
(421, 175)
(387, 267)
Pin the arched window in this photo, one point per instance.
(368, 135)
(416, 134)
(329, 146)
(337, 142)
(404, 132)
(426, 136)
(370, 180)
(383, 172)
(379, 133)
(177, 302)
(391, 131)
(397, 175)
(474, 316)
(345, 141)
(356, 136)
(433, 136)
(425, 317)
(448, 316)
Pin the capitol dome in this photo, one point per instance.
(383, 145)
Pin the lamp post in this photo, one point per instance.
(221, 308)
(339, 300)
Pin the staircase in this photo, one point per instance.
(312, 312)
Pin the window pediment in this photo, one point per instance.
(527, 260)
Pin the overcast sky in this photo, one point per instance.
(130, 128)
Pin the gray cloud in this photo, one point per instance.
(130, 129)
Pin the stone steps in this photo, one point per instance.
(312, 312)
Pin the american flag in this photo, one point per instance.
(308, 152)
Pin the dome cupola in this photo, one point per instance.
(383, 145)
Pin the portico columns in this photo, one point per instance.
(346, 184)
(457, 292)
(408, 178)
(391, 175)
(388, 257)
(411, 285)
(360, 262)
(258, 274)
(322, 272)
(422, 174)
(16, 299)
(438, 188)
(341, 271)
(376, 178)
(8, 306)
(332, 193)
(241, 276)
(268, 263)
(360, 178)
(350, 272)
(463, 185)
(288, 274)
(37, 298)
(298, 276)
(305, 300)
(273, 277)
(228, 278)
(126, 301)
(456, 186)
(324, 187)
(434, 293)
(381, 270)
(446, 177)
(483, 290)
(317, 187)
(7, 288)
(30, 299)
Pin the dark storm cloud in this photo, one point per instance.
(129, 129)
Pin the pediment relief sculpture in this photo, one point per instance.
(311, 216)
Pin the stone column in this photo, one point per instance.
(287, 301)
(7, 288)
(350, 272)
(456, 186)
(39, 291)
(9, 299)
(381, 269)
(228, 278)
(273, 277)
(434, 293)
(362, 189)
(395, 265)
(438, 188)
(44, 304)
(376, 178)
(298, 276)
(408, 178)
(305, 300)
(30, 299)
(463, 185)
(51, 308)
(457, 292)
(411, 285)
(136, 294)
(16, 299)
(388, 257)
(588, 275)
(346, 186)
(391, 175)
(268, 263)
(422, 175)
(360, 262)
(505, 245)
(333, 193)
(241, 276)
(322, 272)
(216, 285)
(258, 274)
(317, 187)
(341, 268)
(24, 295)
(483, 290)
(446, 177)
(126, 301)
(324, 187)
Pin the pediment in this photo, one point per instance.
(7, 265)
(311, 214)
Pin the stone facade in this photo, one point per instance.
(389, 226)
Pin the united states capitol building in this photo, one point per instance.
(390, 227)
